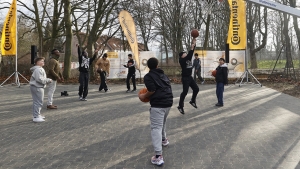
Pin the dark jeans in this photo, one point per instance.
(103, 81)
(84, 84)
(219, 92)
(198, 73)
(186, 83)
(132, 76)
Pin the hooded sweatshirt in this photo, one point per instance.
(156, 81)
(222, 74)
(186, 64)
(54, 68)
(38, 77)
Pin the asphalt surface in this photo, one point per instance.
(258, 128)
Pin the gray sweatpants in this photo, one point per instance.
(37, 98)
(158, 118)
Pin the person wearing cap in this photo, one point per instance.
(102, 66)
(84, 68)
(53, 73)
(185, 61)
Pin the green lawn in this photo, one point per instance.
(269, 64)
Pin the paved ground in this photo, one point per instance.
(258, 128)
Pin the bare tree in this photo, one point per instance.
(257, 24)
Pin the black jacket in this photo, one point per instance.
(131, 69)
(222, 74)
(186, 64)
(85, 62)
(156, 81)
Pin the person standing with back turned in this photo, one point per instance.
(186, 77)
(161, 100)
(84, 69)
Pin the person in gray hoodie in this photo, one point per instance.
(38, 81)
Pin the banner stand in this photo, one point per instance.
(16, 73)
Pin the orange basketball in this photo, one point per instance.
(194, 33)
(214, 73)
(143, 91)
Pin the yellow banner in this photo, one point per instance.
(128, 26)
(9, 34)
(112, 54)
(237, 35)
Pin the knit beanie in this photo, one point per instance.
(181, 53)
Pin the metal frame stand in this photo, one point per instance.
(245, 74)
(17, 81)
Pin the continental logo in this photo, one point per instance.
(7, 43)
(127, 29)
(235, 39)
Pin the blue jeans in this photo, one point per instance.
(219, 92)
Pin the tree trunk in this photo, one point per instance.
(289, 60)
(69, 35)
(205, 45)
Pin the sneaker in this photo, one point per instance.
(193, 104)
(100, 90)
(127, 91)
(80, 97)
(37, 119)
(83, 99)
(180, 109)
(203, 81)
(219, 105)
(157, 161)
(40, 116)
(165, 142)
(133, 90)
(107, 90)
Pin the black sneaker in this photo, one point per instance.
(180, 109)
(219, 105)
(133, 90)
(193, 104)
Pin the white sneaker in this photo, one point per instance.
(80, 98)
(157, 161)
(40, 116)
(165, 142)
(203, 81)
(37, 119)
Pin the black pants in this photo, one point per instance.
(186, 83)
(84, 84)
(132, 76)
(103, 81)
(198, 73)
